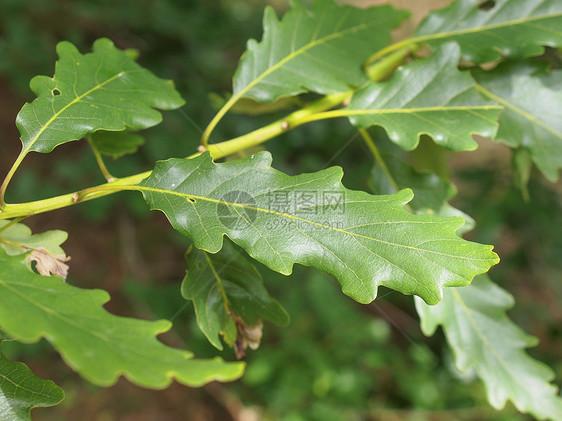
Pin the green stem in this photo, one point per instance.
(313, 112)
(8, 178)
(405, 44)
(218, 116)
(277, 127)
(378, 157)
(218, 150)
(99, 160)
(376, 72)
(384, 68)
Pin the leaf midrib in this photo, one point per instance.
(298, 52)
(484, 28)
(19, 386)
(292, 217)
(518, 110)
(50, 311)
(484, 338)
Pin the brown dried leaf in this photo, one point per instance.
(47, 264)
(248, 336)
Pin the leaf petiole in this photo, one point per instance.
(8, 178)
(99, 160)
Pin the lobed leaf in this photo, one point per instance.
(226, 288)
(102, 90)
(533, 110)
(18, 239)
(482, 337)
(430, 97)
(362, 240)
(309, 50)
(21, 390)
(97, 344)
(513, 28)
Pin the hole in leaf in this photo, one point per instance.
(56, 92)
(487, 5)
(189, 199)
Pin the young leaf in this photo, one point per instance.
(44, 248)
(533, 110)
(97, 344)
(21, 390)
(102, 90)
(363, 240)
(116, 144)
(318, 50)
(513, 28)
(19, 239)
(482, 337)
(227, 290)
(427, 97)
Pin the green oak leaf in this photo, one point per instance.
(430, 191)
(19, 240)
(362, 240)
(116, 144)
(513, 28)
(98, 345)
(483, 337)
(533, 110)
(21, 390)
(102, 90)
(430, 97)
(224, 285)
(309, 50)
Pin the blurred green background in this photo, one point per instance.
(337, 360)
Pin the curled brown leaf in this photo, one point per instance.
(248, 336)
(47, 264)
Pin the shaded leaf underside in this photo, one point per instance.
(533, 110)
(482, 337)
(225, 283)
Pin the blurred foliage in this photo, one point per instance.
(337, 360)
